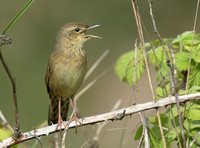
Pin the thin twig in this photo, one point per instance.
(110, 116)
(163, 82)
(17, 131)
(80, 93)
(195, 138)
(175, 72)
(100, 126)
(173, 82)
(66, 131)
(142, 114)
(194, 29)
(140, 32)
(96, 64)
(56, 141)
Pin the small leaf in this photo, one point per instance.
(182, 60)
(186, 38)
(163, 117)
(160, 54)
(193, 114)
(171, 135)
(194, 79)
(153, 139)
(138, 133)
(174, 110)
(195, 52)
(161, 91)
(191, 124)
(125, 65)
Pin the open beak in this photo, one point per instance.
(93, 36)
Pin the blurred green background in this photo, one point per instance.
(33, 37)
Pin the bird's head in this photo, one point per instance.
(76, 32)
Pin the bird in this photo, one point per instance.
(66, 70)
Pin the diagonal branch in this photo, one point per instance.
(114, 115)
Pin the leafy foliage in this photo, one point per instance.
(178, 50)
(125, 65)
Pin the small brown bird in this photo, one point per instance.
(66, 69)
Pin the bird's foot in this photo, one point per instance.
(59, 124)
(76, 120)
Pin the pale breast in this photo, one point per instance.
(67, 74)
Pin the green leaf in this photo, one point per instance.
(191, 124)
(182, 60)
(161, 57)
(195, 52)
(161, 91)
(159, 77)
(138, 133)
(193, 134)
(171, 135)
(153, 139)
(192, 90)
(186, 38)
(193, 105)
(165, 41)
(154, 119)
(193, 114)
(194, 79)
(174, 110)
(125, 65)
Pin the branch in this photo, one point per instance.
(140, 32)
(17, 130)
(114, 115)
(173, 82)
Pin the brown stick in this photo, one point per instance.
(173, 82)
(17, 131)
(140, 32)
(110, 116)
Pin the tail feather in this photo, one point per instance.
(53, 110)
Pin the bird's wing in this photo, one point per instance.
(48, 75)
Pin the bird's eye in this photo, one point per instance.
(77, 29)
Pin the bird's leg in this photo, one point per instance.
(60, 121)
(75, 118)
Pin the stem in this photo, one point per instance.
(17, 131)
(17, 16)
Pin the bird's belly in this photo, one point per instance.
(68, 79)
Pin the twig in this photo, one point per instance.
(100, 118)
(173, 82)
(175, 73)
(194, 28)
(140, 32)
(195, 138)
(100, 126)
(163, 83)
(96, 64)
(17, 131)
(56, 141)
(89, 85)
(66, 130)
(142, 114)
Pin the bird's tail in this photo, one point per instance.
(53, 110)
